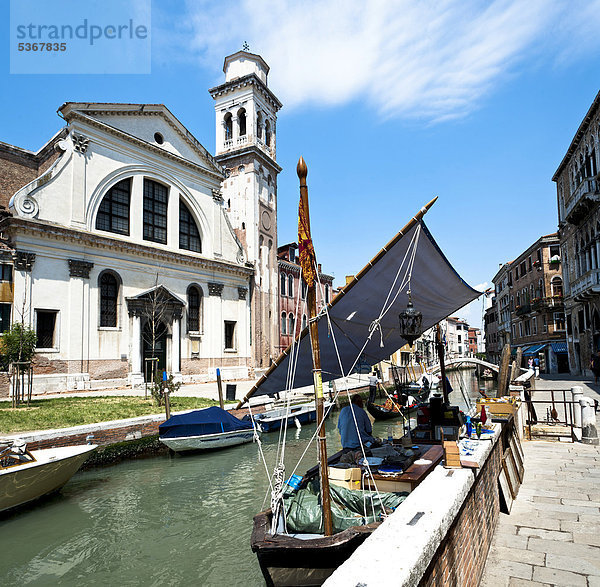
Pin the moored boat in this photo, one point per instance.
(26, 475)
(206, 429)
(275, 418)
(361, 324)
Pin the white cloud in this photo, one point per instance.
(428, 59)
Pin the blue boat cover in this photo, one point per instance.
(199, 422)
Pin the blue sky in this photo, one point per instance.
(390, 103)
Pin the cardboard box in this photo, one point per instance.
(346, 484)
(339, 474)
(498, 408)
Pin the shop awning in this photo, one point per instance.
(534, 349)
(559, 347)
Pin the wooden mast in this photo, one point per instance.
(302, 171)
(440, 350)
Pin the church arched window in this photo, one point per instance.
(194, 317)
(113, 214)
(259, 125)
(228, 120)
(189, 235)
(108, 284)
(242, 121)
(268, 133)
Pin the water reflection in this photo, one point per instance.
(161, 521)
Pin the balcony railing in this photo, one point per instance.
(588, 282)
(523, 309)
(586, 194)
(550, 303)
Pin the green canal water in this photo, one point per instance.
(166, 520)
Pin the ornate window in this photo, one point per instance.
(156, 199)
(291, 324)
(108, 285)
(113, 214)
(282, 284)
(291, 286)
(189, 236)
(283, 323)
(194, 318)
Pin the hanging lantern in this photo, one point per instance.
(410, 322)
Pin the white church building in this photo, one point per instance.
(131, 243)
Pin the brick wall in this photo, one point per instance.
(460, 558)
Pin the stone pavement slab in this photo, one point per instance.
(552, 536)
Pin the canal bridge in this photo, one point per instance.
(457, 361)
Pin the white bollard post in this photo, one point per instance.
(577, 393)
(589, 432)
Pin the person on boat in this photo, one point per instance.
(352, 433)
(372, 387)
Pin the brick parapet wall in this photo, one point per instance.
(460, 558)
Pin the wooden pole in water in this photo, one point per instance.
(503, 373)
(313, 323)
(220, 388)
(440, 350)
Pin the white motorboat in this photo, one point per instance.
(28, 475)
(275, 418)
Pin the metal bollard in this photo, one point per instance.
(589, 432)
(577, 393)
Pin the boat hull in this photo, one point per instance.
(52, 468)
(208, 441)
(285, 560)
(304, 415)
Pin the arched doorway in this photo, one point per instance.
(154, 348)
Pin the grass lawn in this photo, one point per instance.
(43, 414)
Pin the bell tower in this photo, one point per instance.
(246, 116)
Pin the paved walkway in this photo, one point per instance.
(552, 535)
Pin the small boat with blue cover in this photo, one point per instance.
(205, 429)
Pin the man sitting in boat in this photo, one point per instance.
(350, 430)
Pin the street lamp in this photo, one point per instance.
(410, 322)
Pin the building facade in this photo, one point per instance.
(457, 337)
(538, 320)
(131, 243)
(578, 196)
(246, 121)
(504, 308)
(292, 294)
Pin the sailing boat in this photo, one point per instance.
(367, 307)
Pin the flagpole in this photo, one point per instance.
(307, 260)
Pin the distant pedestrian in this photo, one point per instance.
(530, 364)
(595, 366)
(536, 364)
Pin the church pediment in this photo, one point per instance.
(152, 123)
(158, 302)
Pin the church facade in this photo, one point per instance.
(133, 245)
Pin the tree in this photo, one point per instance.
(18, 344)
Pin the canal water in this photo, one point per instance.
(166, 520)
